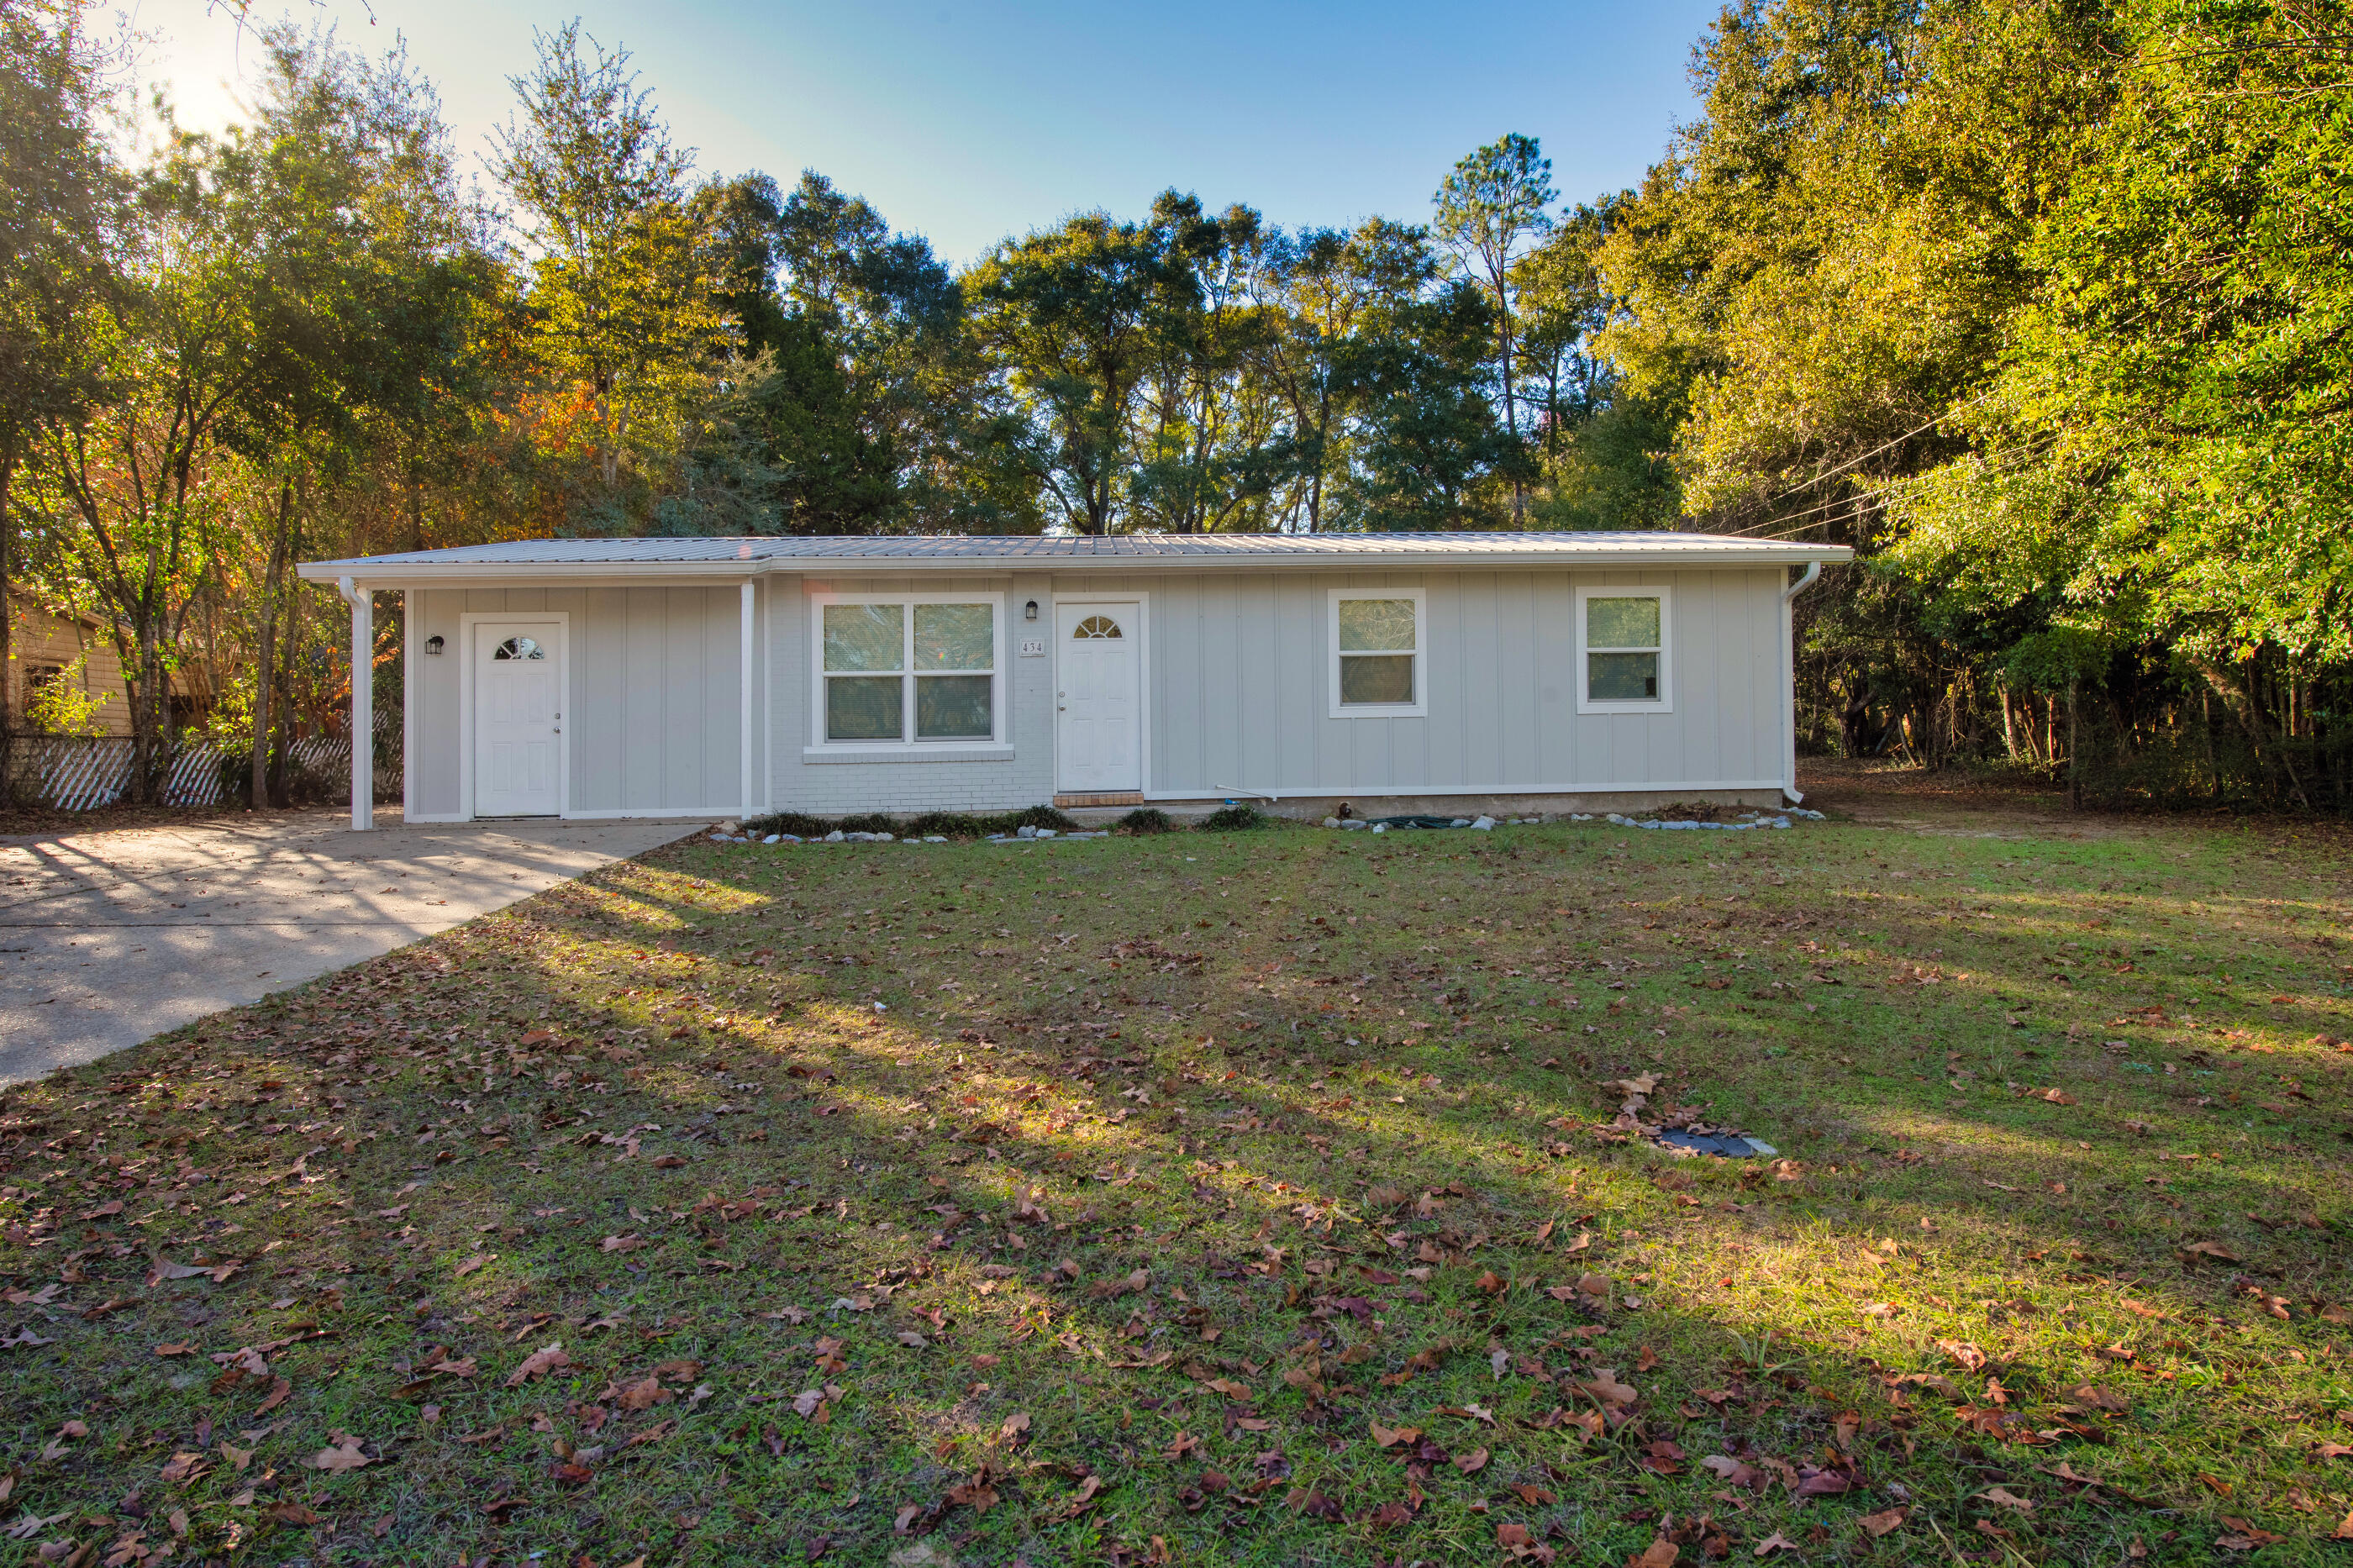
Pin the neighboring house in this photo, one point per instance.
(44, 646)
(1398, 672)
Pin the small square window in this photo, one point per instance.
(1622, 641)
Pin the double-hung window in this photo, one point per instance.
(1378, 640)
(908, 671)
(1621, 635)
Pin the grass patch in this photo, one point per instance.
(1261, 1201)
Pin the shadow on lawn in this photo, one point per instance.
(1779, 1375)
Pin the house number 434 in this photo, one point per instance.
(1033, 648)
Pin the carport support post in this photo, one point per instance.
(750, 598)
(363, 703)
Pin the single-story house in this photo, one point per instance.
(45, 647)
(613, 678)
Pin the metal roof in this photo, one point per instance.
(735, 558)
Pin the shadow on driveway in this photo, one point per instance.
(110, 937)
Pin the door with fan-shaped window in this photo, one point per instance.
(1098, 698)
(518, 718)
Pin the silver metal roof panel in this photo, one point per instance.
(735, 558)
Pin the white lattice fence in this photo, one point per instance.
(72, 773)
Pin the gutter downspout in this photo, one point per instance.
(363, 605)
(1789, 679)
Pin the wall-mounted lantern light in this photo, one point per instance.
(433, 646)
(1029, 610)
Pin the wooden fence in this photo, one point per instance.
(62, 772)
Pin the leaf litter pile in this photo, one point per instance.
(1264, 1198)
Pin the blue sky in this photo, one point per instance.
(969, 123)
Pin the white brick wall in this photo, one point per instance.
(839, 789)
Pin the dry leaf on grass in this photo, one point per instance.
(344, 1455)
(539, 1363)
(1878, 1524)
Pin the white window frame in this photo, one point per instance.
(999, 722)
(1664, 702)
(1416, 709)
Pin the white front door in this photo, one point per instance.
(518, 718)
(1098, 698)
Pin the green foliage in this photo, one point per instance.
(2061, 658)
(2045, 310)
(943, 824)
(1231, 819)
(622, 311)
(1147, 819)
(64, 704)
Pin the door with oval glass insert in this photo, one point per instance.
(518, 718)
(1098, 698)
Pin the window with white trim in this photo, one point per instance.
(907, 671)
(1622, 640)
(1377, 647)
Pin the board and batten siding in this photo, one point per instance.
(654, 723)
(1240, 687)
(1238, 691)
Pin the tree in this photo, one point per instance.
(1490, 206)
(59, 204)
(1332, 300)
(1070, 316)
(625, 318)
(1426, 433)
(365, 268)
(1212, 448)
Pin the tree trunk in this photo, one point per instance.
(2206, 724)
(2269, 753)
(2074, 750)
(7, 630)
(264, 667)
(289, 647)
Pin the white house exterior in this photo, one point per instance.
(710, 678)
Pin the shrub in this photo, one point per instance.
(945, 825)
(1146, 819)
(1232, 819)
(799, 824)
(1040, 816)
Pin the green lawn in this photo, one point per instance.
(1248, 1198)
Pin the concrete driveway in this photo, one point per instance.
(109, 937)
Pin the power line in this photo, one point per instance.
(1996, 462)
(1885, 445)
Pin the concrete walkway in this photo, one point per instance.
(109, 937)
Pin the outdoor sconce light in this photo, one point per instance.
(1029, 610)
(433, 646)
